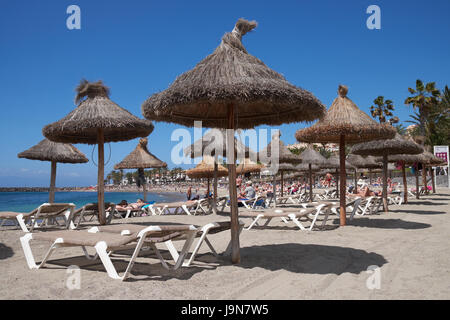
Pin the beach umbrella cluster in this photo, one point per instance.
(311, 161)
(384, 148)
(208, 168)
(229, 89)
(47, 150)
(232, 89)
(213, 143)
(285, 158)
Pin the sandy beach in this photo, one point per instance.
(409, 245)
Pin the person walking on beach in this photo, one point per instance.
(189, 193)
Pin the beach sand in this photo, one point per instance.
(410, 245)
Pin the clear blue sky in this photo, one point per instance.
(139, 47)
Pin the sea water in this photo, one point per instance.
(27, 201)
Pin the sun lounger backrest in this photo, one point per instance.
(54, 208)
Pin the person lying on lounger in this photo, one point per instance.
(365, 192)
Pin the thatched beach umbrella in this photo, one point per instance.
(207, 168)
(232, 89)
(433, 162)
(311, 158)
(248, 166)
(426, 159)
(213, 143)
(384, 148)
(344, 123)
(54, 152)
(97, 120)
(408, 159)
(140, 158)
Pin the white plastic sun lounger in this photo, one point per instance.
(201, 234)
(105, 243)
(89, 211)
(191, 207)
(46, 212)
(252, 203)
(286, 215)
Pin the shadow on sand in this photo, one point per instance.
(5, 251)
(309, 258)
(424, 212)
(386, 223)
(142, 271)
(426, 203)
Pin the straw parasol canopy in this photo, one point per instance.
(384, 148)
(97, 120)
(368, 162)
(205, 169)
(397, 145)
(305, 167)
(248, 166)
(344, 122)
(96, 112)
(231, 75)
(333, 162)
(214, 141)
(284, 154)
(140, 158)
(232, 89)
(47, 150)
(345, 118)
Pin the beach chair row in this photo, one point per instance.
(66, 214)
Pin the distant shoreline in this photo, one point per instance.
(150, 188)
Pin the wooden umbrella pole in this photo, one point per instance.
(215, 186)
(424, 178)
(274, 196)
(343, 179)
(417, 182)
(337, 181)
(145, 192)
(207, 189)
(51, 194)
(356, 182)
(433, 185)
(385, 173)
(310, 184)
(370, 177)
(405, 185)
(235, 254)
(282, 183)
(100, 182)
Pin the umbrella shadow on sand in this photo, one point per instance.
(309, 258)
(387, 224)
(424, 212)
(143, 270)
(5, 252)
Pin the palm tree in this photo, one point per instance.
(426, 102)
(383, 110)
